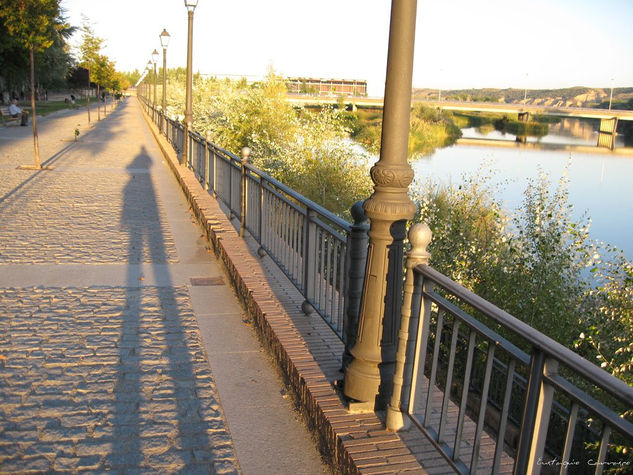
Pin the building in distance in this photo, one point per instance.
(327, 87)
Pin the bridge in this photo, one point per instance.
(608, 118)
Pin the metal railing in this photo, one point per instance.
(567, 404)
(308, 243)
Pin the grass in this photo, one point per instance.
(47, 107)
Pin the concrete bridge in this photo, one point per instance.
(608, 118)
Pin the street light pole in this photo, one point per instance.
(155, 60)
(191, 6)
(368, 378)
(149, 80)
(164, 41)
(611, 95)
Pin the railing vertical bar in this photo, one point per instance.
(261, 212)
(449, 381)
(322, 267)
(482, 407)
(283, 248)
(329, 283)
(604, 447)
(291, 242)
(503, 421)
(462, 406)
(288, 238)
(284, 232)
(436, 354)
(207, 178)
(343, 282)
(569, 438)
(216, 179)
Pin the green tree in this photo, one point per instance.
(89, 52)
(33, 23)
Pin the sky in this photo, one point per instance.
(460, 44)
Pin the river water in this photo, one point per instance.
(600, 180)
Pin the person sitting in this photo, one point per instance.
(18, 113)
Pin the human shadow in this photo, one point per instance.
(157, 406)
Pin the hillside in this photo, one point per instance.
(569, 97)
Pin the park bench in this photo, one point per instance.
(6, 117)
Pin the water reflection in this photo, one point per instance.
(567, 131)
(599, 180)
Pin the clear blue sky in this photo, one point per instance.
(459, 43)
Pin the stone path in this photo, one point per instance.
(121, 348)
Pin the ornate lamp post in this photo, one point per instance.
(368, 377)
(164, 41)
(149, 80)
(155, 60)
(191, 6)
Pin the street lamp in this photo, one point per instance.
(164, 41)
(368, 377)
(154, 60)
(191, 6)
(611, 95)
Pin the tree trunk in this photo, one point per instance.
(36, 145)
(98, 103)
(88, 96)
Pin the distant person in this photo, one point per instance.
(72, 98)
(16, 112)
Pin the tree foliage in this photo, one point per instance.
(31, 22)
(538, 264)
(308, 151)
(48, 37)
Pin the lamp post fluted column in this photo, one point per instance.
(368, 378)
(164, 101)
(191, 6)
(155, 61)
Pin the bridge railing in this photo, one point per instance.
(307, 242)
(496, 395)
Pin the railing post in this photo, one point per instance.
(357, 259)
(544, 410)
(536, 413)
(309, 260)
(206, 163)
(245, 153)
(419, 237)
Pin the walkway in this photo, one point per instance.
(121, 346)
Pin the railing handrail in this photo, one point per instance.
(591, 372)
(279, 185)
(310, 244)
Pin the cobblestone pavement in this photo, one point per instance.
(101, 377)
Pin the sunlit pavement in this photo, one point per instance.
(105, 290)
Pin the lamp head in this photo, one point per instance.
(191, 4)
(164, 38)
(154, 56)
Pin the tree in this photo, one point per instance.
(33, 24)
(103, 73)
(89, 54)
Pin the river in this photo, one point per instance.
(600, 181)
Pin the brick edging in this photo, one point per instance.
(356, 443)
